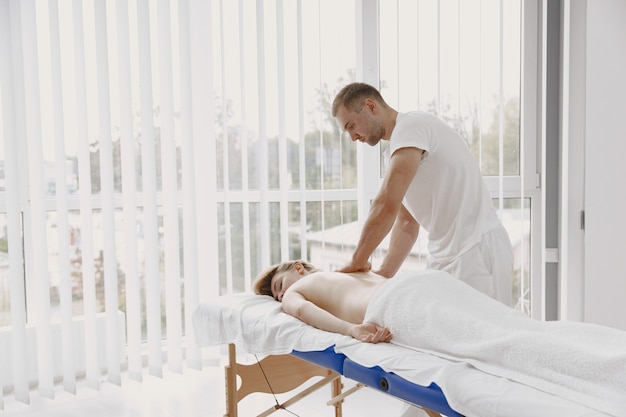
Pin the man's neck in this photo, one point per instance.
(390, 123)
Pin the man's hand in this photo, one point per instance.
(383, 273)
(371, 333)
(352, 267)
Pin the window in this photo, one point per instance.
(154, 153)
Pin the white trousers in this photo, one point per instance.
(487, 266)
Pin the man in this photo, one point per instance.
(432, 181)
(433, 312)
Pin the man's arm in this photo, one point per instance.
(403, 237)
(295, 304)
(385, 207)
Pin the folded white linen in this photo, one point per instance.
(432, 312)
(469, 391)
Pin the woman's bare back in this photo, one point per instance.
(344, 295)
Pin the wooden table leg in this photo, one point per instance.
(336, 388)
(231, 382)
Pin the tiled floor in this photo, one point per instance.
(192, 394)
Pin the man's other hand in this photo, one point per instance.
(352, 267)
(383, 273)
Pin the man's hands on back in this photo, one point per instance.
(352, 267)
(383, 273)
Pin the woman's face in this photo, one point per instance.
(283, 280)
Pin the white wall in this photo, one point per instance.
(605, 170)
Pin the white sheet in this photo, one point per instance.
(258, 326)
(436, 313)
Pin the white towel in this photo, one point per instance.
(435, 313)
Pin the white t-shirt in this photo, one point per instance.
(447, 196)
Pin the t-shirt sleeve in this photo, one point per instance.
(411, 134)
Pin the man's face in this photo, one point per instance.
(363, 126)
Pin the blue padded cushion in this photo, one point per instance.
(430, 397)
(327, 358)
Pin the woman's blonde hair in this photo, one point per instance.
(262, 284)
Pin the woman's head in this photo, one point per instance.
(269, 281)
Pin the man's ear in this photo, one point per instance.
(370, 105)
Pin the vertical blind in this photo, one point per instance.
(156, 153)
(99, 132)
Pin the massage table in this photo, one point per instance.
(293, 352)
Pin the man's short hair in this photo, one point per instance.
(262, 284)
(353, 95)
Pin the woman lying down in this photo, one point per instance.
(433, 312)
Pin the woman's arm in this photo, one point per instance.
(295, 304)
